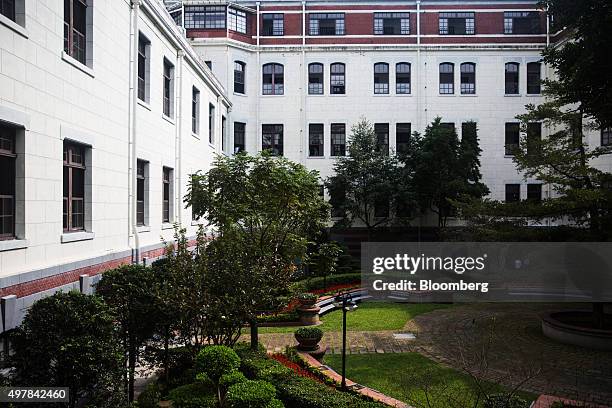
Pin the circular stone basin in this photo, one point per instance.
(576, 327)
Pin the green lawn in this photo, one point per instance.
(369, 316)
(406, 376)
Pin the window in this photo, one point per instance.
(272, 139)
(7, 9)
(447, 78)
(315, 140)
(402, 137)
(168, 88)
(512, 138)
(513, 193)
(74, 187)
(534, 193)
(208, 64)
(381, 78)
(338, 139)
(468, 78)
(273, 79)
(391, 23)
(166, 194)
(273, 24)
(534, 138)
(205, 17)
(382, 137)
(315, 79)
(512, 78)
(402, 78)
(337, 79)
(144, 68)
(326, 23)
(237, 20)
(75, 29)
(239, 136)
(534, 78)
(522, 22)
(211, 123)
(224, 141)
(606, 136)
(195, 110)
(456, 23)
(7, 182)
(239, 71)
(141, 193)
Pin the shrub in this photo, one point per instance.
(309, 333)
(309, 297)
(235, 377)
(275, 404)
(250, 394)
(504, 401)
(214, 361)
(196, 395)
(291, 316)
(321, 283)
(150, 396)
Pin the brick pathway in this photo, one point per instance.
(499, 342)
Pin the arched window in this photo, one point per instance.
(381, 78)
(337, 78)
(512, 78)
(239, 76)
(315, 79)
(273, 79)
(468, 78)
(447, 78)
(534, 78)
(402, 78)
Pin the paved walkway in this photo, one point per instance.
(499, 342)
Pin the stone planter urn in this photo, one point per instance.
(308, 311)
(308, 338)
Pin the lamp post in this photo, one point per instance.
(344, 300)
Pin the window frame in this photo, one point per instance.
(511, 136)
(537, 193)
(8, 141)
(144, 71)
(210, 17)
(337, 149)
(275, 133)
(195, 110)
(316, 131)
(403, 87)
(534, 79)
(141, 187)
(70, 165)
(446, 88)
(512, 79)
(381, 78)
(212, 111)
(467, 80)
(337, 77)
(380, 19)
(316, 88)
(11, 13)
(239, 134)
(237, 20)
(469, 22)
(168, 89)
(314, 24)
(277, 79)
(381, 130)
(167, 175)
(70, 30)
(510, 24)
(401, 145)
(275, 30)
(515, 196)
(240, 77)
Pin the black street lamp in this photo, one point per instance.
(344, 300)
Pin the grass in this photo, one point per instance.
(369, 316)
(403, 376)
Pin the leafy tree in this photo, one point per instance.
(69, 340)
(271, 208)
(444, 168)
(129, 291)
(582, 62)
(364, 180)
(325, 260)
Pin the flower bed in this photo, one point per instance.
(298, 369)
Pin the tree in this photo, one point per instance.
(69, 340)
(130, 292)
(582, 62)
(271, 208)
(366, 182)
(445, 169)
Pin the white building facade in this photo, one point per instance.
(105, 110)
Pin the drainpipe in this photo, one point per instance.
(132, 130)
(418, 70)
(178, 139)
(257, 99)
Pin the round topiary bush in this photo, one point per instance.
(505, 401)
(250, 394)
(309, 333)
(196, 395)
(235, 377)
(275, 404)
(215, 361)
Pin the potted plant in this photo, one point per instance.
(307, 299)
(308, 338)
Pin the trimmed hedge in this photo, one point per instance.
(196, 395)
(250, 394)
(215, 361)
(296, 391)
(320, 283)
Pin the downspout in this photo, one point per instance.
(132, 131)
(257, 99)
(303, 77)
(418, 70)
(178, 139)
